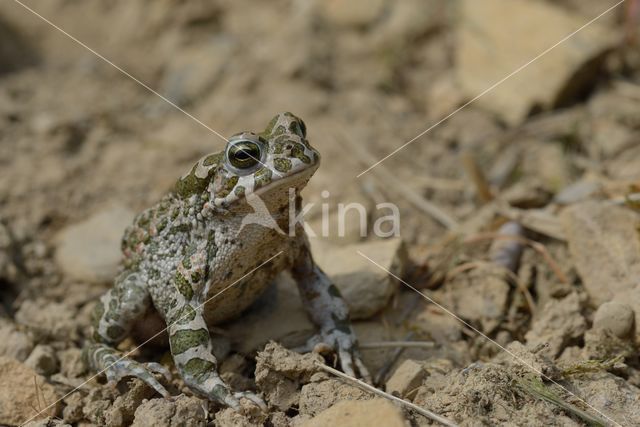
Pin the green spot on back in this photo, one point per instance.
(185, 339)
(183, 286)
(198, 367)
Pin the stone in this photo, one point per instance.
(19, 394)
(323, 392)
(352, 13)
(366, 287)
(406, 378)
(277, 315)
(375, 412)
(559, 325)
(486, 53)
(479, 295)
(605, 246)
(48, 320)
(90, 250)
(181, 411)
(71, 363)
(280, 373)
(14, 342)
(616, 317)
(43, 360)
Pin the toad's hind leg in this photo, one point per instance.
(113, 318)
(189, 336)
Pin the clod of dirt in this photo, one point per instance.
(616, 317)
(249, 416)
(602, 344)
(406, 378)
(23, 393)
(486, 53)
(71, 363)
(480, 295)
(48, 320)
(90, 250)
(603, 247)
(375, 412)
(281, 372)
(323, 392)
(43, 360)
(560, 324)
(14, 342)
(366, 287)
(484, 394)
(184, 411)
(616, 398)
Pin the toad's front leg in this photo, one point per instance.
(190, 341)
(329, 311)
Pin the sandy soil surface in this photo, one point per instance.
(519, 214)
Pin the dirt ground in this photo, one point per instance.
(519, 214)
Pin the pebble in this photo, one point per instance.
(13, 342)
(181, 411)
(375, 412)
(606, 257)
(406, 378)
(486, 53)
(90, 250)
(366, 287)
(43, 360)
(616, 317)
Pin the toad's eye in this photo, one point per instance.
(244, 154)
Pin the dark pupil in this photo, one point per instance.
(245, 155)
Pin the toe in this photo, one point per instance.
(159, 369)
(346, 362)
(362, 369)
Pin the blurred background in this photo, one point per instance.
(80, 141)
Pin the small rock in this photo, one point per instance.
(480, 295)
(90, 250)
(366, 287)
(72, 412)
(352, 13)
(604, 244)
(280, 373)
(278, 315)
(406, 378)
(612, 395)
(321, 393)
(19, 394)
(375, 412)
(182, 411)
(71, 363)
(13, 342)
(616, 317)
(486, 53)
(559, 324)
(49, 320)
(43, 360)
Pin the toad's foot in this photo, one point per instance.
(115, 366)
(345, 345)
